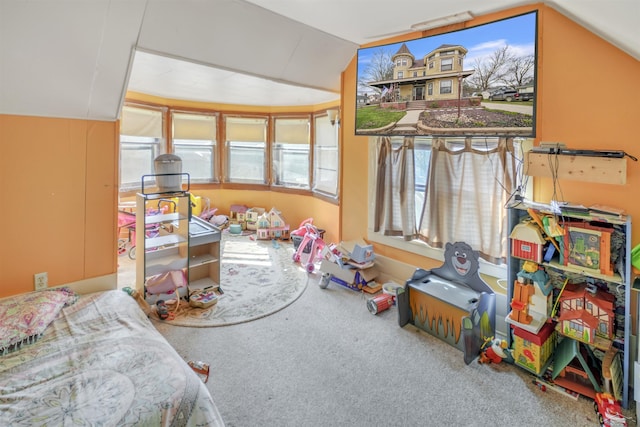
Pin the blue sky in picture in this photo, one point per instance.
(518, 32)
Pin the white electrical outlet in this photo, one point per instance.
(41, 281)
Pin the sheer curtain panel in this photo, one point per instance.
(395, 211)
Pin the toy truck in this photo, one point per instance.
(608, 410)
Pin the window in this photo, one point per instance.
(400, 74)
(290, 152)
(422, 155)
(578, 327)
(141, 141)
(446, 64)
(194, 141)
(437, 190)
(603, 327)
(445, 86)
(278, 150)
(430, 89)
(245, 150)
(325, 158)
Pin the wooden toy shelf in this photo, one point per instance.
(623, 279)
(603, 170)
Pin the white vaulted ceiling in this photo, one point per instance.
(77, 58)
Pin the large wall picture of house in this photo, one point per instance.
(478, 81)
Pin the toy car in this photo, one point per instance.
(608, 410)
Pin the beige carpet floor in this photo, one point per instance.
(325, 360)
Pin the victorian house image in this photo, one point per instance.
(437, 76)
(583, 314)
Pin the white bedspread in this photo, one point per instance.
(101, 362)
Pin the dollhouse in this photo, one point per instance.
(271, 225)
(238, 215)
(252, 216)
(586, 314)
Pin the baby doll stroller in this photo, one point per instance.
(310, 249)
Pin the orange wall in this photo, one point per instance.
(58, 187)
(294, 208)
(587, 98)
(58, 177)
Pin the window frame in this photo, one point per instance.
(277, 172)
(442, 86)
(446, 64)
(158, 147)
(166, 145)
(171, 146)
(266, 150)
(317, 157)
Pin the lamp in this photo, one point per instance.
(334, 116)
(440, 22)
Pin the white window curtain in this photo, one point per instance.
(144, 122)
(467, 190)
(395, 209)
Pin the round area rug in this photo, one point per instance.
(257, 277)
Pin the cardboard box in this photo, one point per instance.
(353, 277)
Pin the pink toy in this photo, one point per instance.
(310, 249)
(302, 229)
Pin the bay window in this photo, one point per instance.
(278, 151)
(245, 150)
(141, 141)
(194, 141)
(326, 157)
(290, 152)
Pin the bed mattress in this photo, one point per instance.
(101, 362)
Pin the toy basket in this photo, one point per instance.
(298, 239)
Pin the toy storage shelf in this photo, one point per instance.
(622, 279)
(204, 255)
(162, 229)
(615, 278)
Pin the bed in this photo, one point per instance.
(99, 361)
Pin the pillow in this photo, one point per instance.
(23, 318)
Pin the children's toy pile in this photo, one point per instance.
(350, 264)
